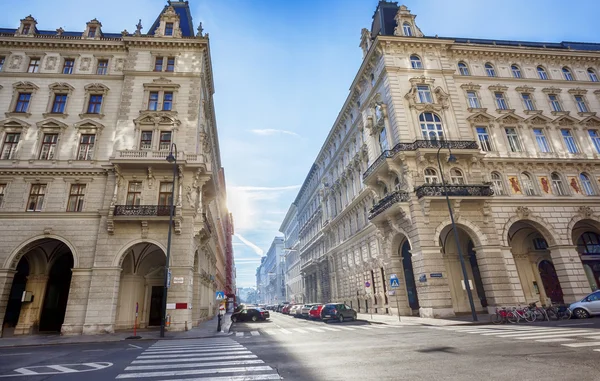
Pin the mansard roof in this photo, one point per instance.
(182, 9)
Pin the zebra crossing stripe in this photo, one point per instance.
(299, 330)
(254, 333)
(558, 339)
(347, 328)
(285, 331)
(517, 333)
(361, 327)
(208, 353)
(315, 329)
(551, 336)
(330, 329)
(176, 343)
(192, 350)
(192, 347)
(196, 372)
(271, 331)
(238, 334)
(586, 344)
(542, 335)
(179, 366)
(194, 359)
(250, 377)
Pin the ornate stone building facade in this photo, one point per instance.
(294, 287)
(520, 120)
(89, 120)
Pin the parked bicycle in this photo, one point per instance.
(519, 314)
(559, 312)
(539, 312)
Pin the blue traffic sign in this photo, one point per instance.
(394, 283)
(220, 295)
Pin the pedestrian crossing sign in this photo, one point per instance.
(220, 295)
(394, 283)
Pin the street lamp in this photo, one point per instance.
(171, 159)
(452, 159)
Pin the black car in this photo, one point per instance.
(337, 311)
(250, 314)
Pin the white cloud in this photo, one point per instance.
(272, 131)
(256, 249)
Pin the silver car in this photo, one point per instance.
(304, 312)
(588, 306)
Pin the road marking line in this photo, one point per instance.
(547, 331)
(196, 371)
(25, 371)
(592, 337)
(360, 327)
(135, 346)
(179, 343)
(554, 340)
(331, 329)
(61, 368)
(549, 336)
(299, 330)
(379, 326)
(193, 359)
(183, 350)
(315, 329)
(586, 344)
(208, 353)
(285, 330)
(568, 325)
(93, 350)
(250, 377)
(191, 346)
(238, 334)
(94, 365)
(176, 366)
(15, 354)
(347, 328)
(533, 334)
(255, 333)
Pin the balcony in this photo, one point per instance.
(142, 210)
(420, 145)
(144, 157)
(387, 202)
(435, 190)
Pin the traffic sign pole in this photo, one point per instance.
(395, 283)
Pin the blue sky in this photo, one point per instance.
(282, 71)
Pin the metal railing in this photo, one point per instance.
(482, 190)
(142, 210)
(387, 201)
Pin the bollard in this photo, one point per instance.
(219, 323)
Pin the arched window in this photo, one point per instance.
(567, 74)
(431, 126)
(498, 184)
(589, 243)
(489, 70)
(383, 143)
(557, 184)
(457, 177)
(431, 176)
(588, 188)
(592, 74)
(415, 62)
(407, 29)
(528, 187)
(463, 68)
(516, 71)
(542, 72)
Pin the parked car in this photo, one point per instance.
(296, 310)
(306, 309)
(588, 306)
(286, 309)
(337, 311)
(250, 314)
(315, 311)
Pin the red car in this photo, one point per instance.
(286, 309)
(315, 312)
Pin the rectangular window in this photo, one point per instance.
(473, 99)
(92, 32)
(146, 140)
(76, 195)
(34, 65)
(171, 64)
(501, 101)
(48, 148)
(540, 244)
(569, 141)
(554, 102)
(165, 141)
(2, 192)
(68, 66)
(169, 29)
(95, 104)
(9, 146)
(158, 64)
(60, 101)
(528, 102)
(134, 193)
(514, 143)
(424, 94)
(26, 28)
(581, 106)
(165, 193)
(86, 147)
(2, 59)
(168, 101)
(23, 100)
(484, 139)
(102, 68)
(595, 136)
(153, 101)
(540, 138)
(36, 197)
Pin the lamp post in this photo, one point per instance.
(171, 159)
(452, 159)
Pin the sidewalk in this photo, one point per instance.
(205, 329)
(415, 320)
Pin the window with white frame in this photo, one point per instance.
(2, 60)
(34, 65)
(153, 101)
(588, 188)
(94, 103)
(542, 142)
(595, 137)
(569, 140)
(10, 145)
(463, 68)
(484, 139)
(383, 143)
(164, 143)
(431, 176)
(102, 68)
(431, 126)
(554, 102)
(164, 64)
(86, 147)
(415, 62)
(22, 104)
(146, 140)
(514, 143)
(557, 184)
(48, 146)
(528, 101)
(490, 71)
(516, 71)
(592, 75)
(473, 99)
(567, 74)
(59, 104)
(581, 105)
(407, 29)
(424, 93)
(2, 192)
(501, 102)
(528, 185)
(76, 198)
(134, 193)
(542, 73)
(68, 66)
(35, 202)
(498, 184)
(457, 177)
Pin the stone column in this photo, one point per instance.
(102, 301)
(6, 280)
(29, 318)
(570, 273)
(77, 302)
(434, 294)
(196, 307)
(181, 319)
(319, 283)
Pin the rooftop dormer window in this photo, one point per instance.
(26, 28)
(169, 29)
(407, 29)
(92, 32)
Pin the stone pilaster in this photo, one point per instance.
(77, 302)
(29, 318)
(196, 307)
(102, 301)
(570, 273)
(181, 319)
(434, 294)
(6, 280)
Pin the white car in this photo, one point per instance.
(588, 306)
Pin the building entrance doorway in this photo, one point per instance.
(409, 276)
(156, 306)
(57, 294)
(550, 281)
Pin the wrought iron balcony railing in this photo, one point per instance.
(142, 210)
(387, 201)
(481, 190)
(420, 144)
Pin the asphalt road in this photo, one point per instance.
(297, 349)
